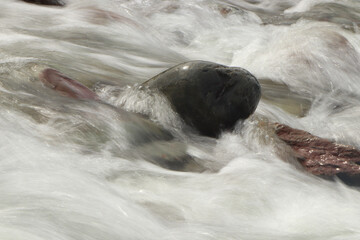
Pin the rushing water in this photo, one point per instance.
(74, 170)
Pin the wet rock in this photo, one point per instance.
(46, 2)
(140, 129)
(66, 86)
(154, 143)
(102, 17)
(336, 13)
(170, 155)
(209, 97)
(281, 96)
(322, 157)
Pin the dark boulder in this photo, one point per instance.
(322, 157)
(46, 2)
(209, 97)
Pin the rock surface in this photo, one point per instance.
(322, 157)
(66, 86)
(337, 13)
(209, 97)
(281, 96)
(156, 144)
(46, 2)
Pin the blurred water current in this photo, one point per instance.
(76, 170)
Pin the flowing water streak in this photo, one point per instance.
(84, 170)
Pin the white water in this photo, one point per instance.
(74, 170)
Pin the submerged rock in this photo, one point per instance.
(322, 157)
(281, 96)
(170, 155)
(337, 13)
(66, 86)
(151, 141)
(46, 2)
(209, 97)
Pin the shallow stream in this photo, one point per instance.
(75, 170)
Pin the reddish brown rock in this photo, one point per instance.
(66, 86)
(46, 2)
(320, 156)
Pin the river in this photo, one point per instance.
(74, 169)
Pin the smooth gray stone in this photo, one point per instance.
(209, 97)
